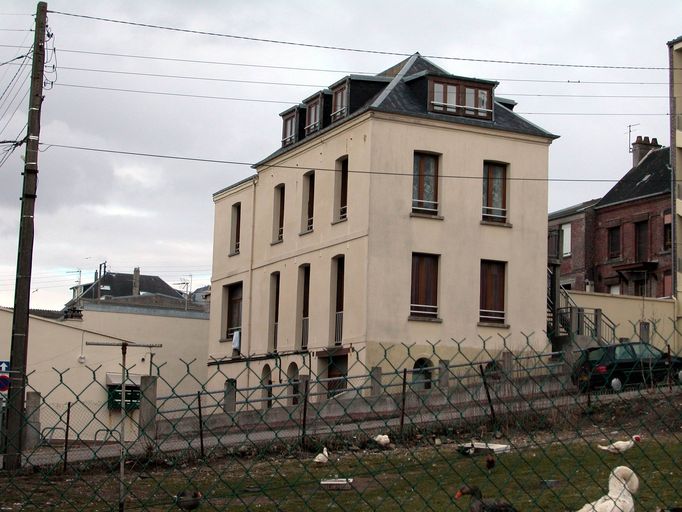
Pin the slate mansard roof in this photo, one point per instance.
(117, 284)
(649, 178)
(396, 95)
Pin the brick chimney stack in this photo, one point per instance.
(136, 281)
(641, 147)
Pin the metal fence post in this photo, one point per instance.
(444, 375)
(32, 432)
(375, 375)
(230, 396)
(66, 435)
(402, 406)
(147, 418)
(304, 419)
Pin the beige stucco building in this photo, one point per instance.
(403, 208)
(64, 368)
(675, 61)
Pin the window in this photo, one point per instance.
(339, 265)
(566, 239)
(304, 298)
(289, 130)
(667, 283)
(444, 97)
(453, 97)
(308, 202)
(339, 100)
(639, 288)
(278, 220)
(667, 231)
(235, 230)
(341, 190)
(312, 117)
(424, 292)
(492, 292)
(494, 192)
(425, 184)
(234, 309)
(614, 242)
(274, 311)
(642, 241)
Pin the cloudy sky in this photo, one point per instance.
(216, 97)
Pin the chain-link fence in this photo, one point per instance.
(391, 427)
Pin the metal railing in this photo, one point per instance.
(338, 327)
(425, 207)
(305, 324)
(426, 310)
(494, 214)
(491, 316)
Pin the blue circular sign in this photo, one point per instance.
(4, 383)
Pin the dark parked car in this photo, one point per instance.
(624, 364)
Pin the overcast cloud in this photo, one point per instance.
(158, 213)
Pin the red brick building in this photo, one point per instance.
(621, 243)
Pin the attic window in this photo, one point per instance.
(288, 130)
(312, 117)
(339, 103)
(464, 99)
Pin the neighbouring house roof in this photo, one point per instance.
(400, 95)
(572, 210)
(650, 177)
(117, 284)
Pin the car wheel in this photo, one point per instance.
(616, 384)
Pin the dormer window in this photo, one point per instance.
(313, 117)
(339, 103)
(289, 130)
(444, 97)
(460, 98)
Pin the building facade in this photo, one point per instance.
(406, 207)
(622, 243)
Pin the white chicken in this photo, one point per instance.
(623, 483)
(322, 458)
(382, 440)
(621, 446)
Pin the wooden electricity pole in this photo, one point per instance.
(16, 422)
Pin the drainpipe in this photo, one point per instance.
(253, 227)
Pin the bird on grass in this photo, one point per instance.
(489, 462)
(188, 500)
(478, 504)
(623, 483)
(621, 446)
(322, 458)
(382, 440)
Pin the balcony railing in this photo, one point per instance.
(491, 316)
(425, 310)
(304, 332)
(426, 207)
(309, 224)
(231, 330)
(280, 233)
(343, 213)
(494, 214)
(338, 328)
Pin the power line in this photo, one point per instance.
(183, 95)
(346, 49)
(261, 82)
(285, 102)
(298, 168)
(12, 60)
(323, 70)
(187, 77)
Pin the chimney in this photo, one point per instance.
(136, 281)
(641, 147)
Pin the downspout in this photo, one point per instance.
(253, 236)
(673, 188)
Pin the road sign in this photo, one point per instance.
(4, 383)
(4, 366)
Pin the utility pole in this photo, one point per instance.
(16, 423)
